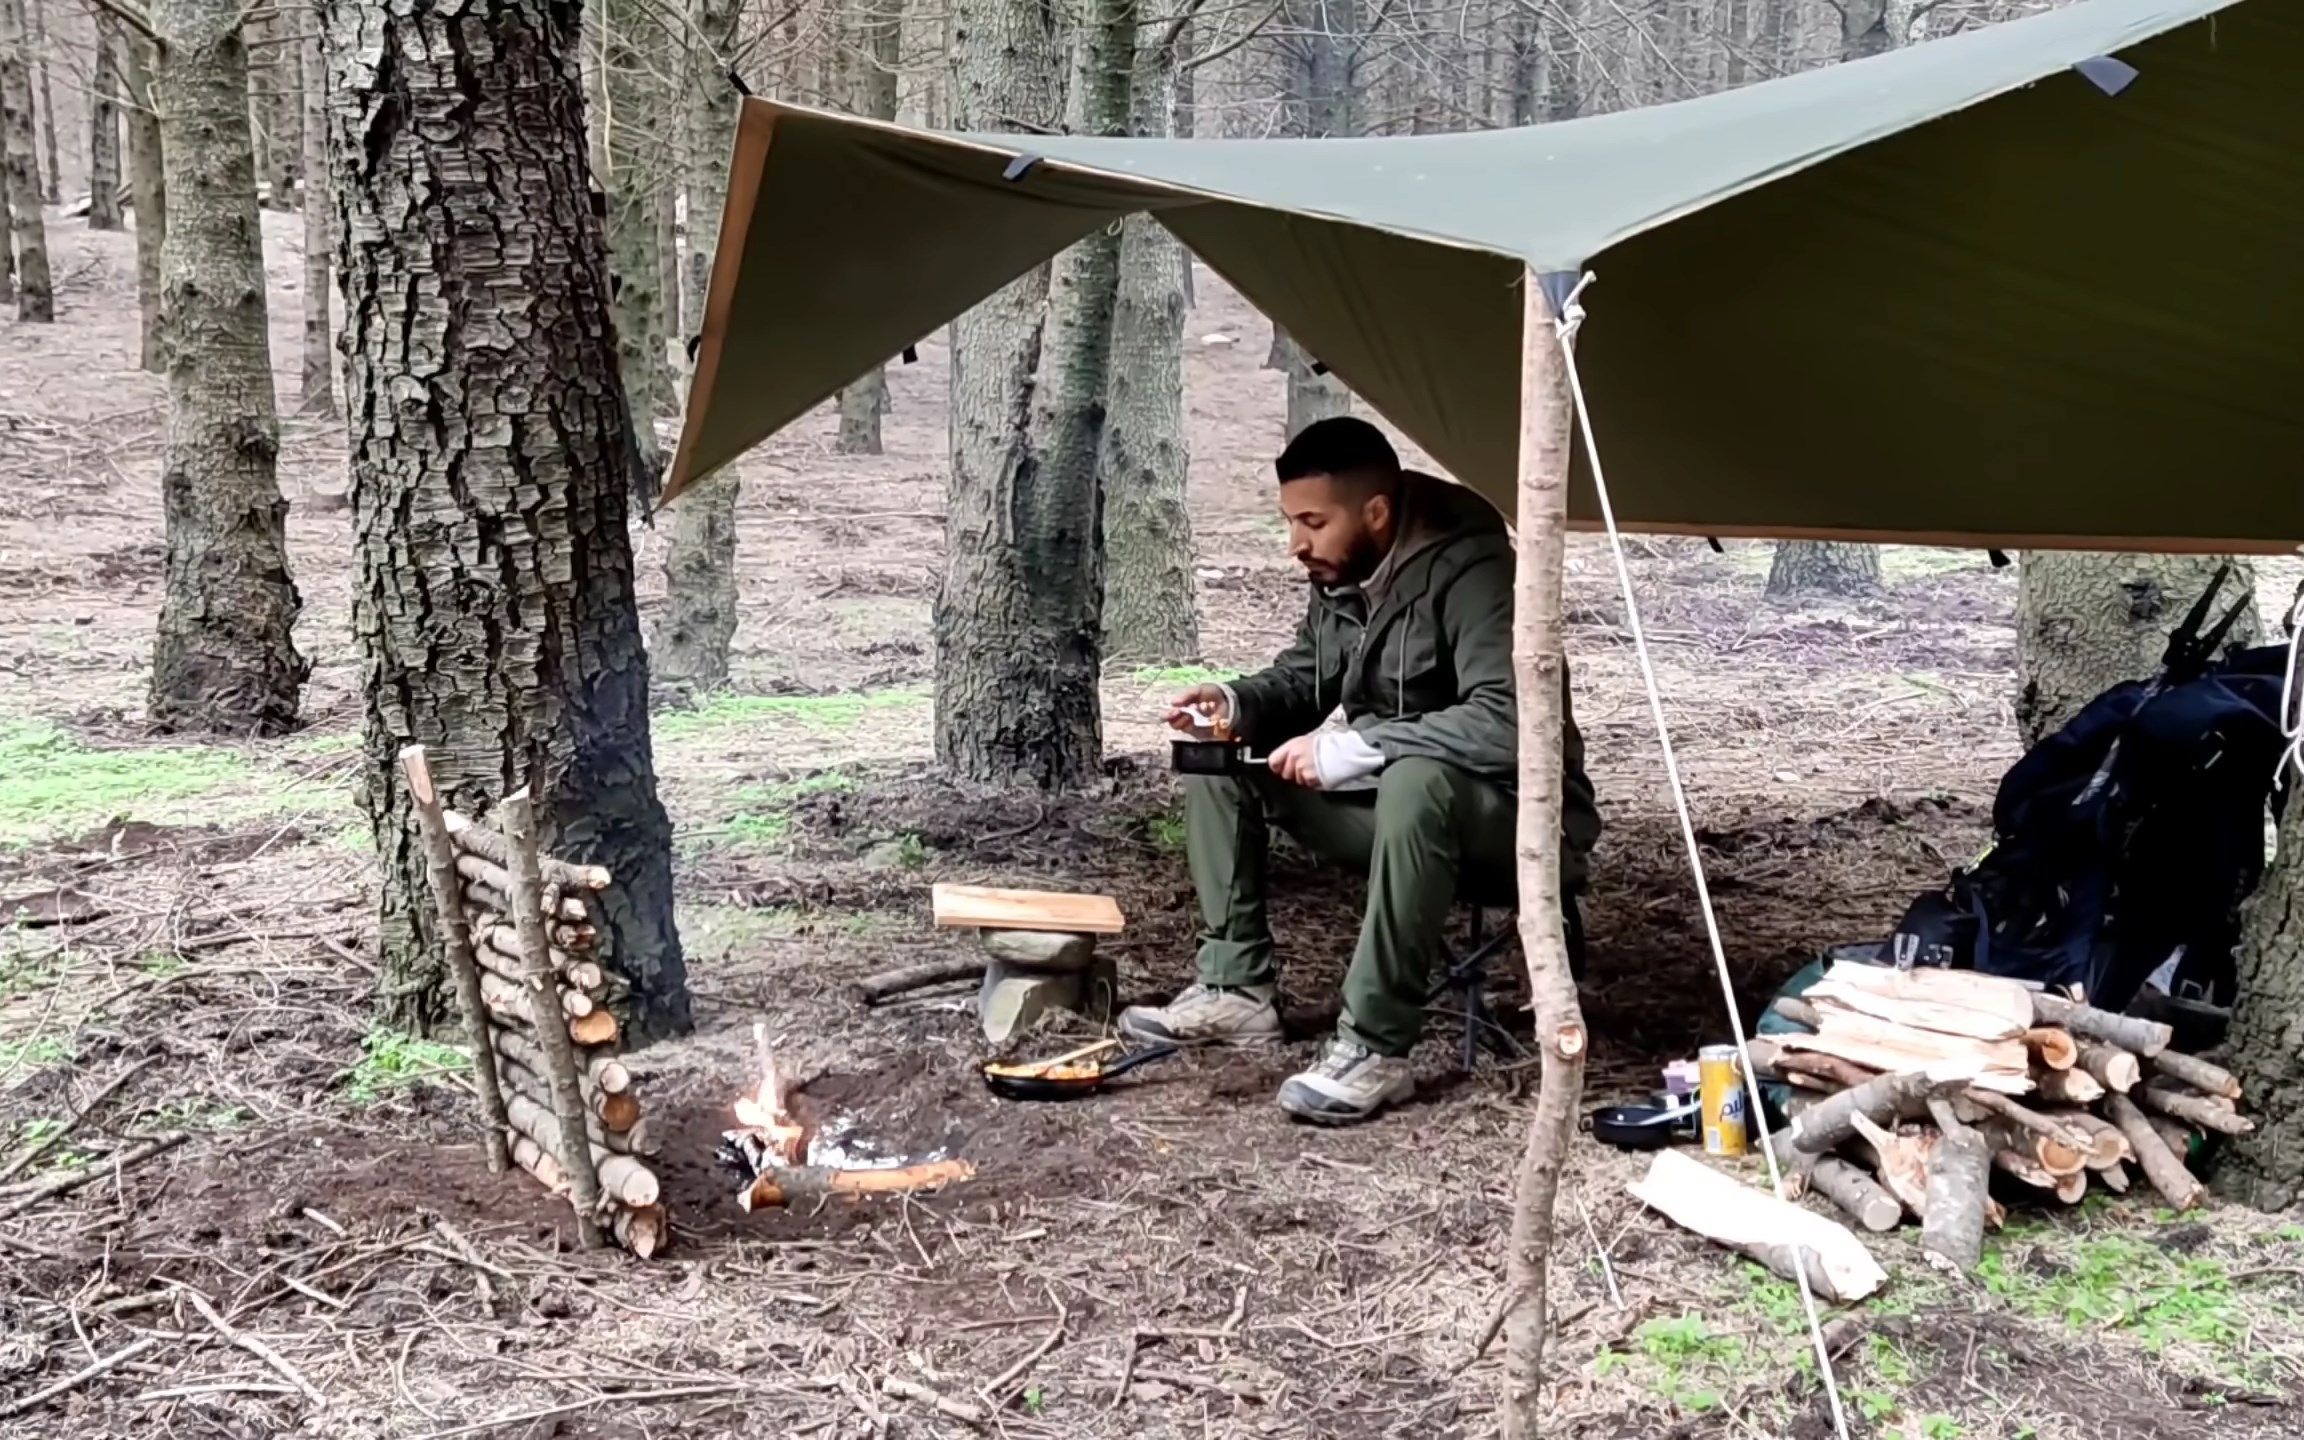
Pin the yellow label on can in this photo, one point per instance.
(1720, 1092)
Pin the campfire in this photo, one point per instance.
(778, 1156)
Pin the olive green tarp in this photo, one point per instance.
(1975, 291)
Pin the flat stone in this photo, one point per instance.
(1041, 949)
(1012, 1001)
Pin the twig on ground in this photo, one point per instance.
(1607, 1269)
(996, 1392)
(64, 1131)
(253, 1346)
(66, 1184)
(627, 1397)
(945, 1405)
(79, 1377)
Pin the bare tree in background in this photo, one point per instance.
(1017, 617)
(635, 129)
(698, 627)
(1151, 610)
(35, 291)
(225, 659)
(7, 226)
(868, 65)
(52, 182)
(1320, 44)
(317, 393)
(104, 126)
(279, 102)
(148, 193)
(493, 607)
(1823, 567)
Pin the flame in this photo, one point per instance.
(767, 1112)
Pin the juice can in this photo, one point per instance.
(1720, 1092)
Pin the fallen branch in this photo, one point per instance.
(79, 1377)
(67, 1183)
(783, 1185)
(873, 989)
(64, 1131)
(2143, 1037)
(945, 1405)
(995, 1390)
(252, 1345)
(2160, 1165)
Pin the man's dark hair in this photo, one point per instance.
(1343, 447)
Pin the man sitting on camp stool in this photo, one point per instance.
(1409, 630)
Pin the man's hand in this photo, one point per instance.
(1293, 763)
(1203, 699)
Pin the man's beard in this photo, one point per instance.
(1358, 564)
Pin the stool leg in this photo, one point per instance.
(1472, 1001)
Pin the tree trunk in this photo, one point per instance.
(1319, 104)
(147, 193)
(1823, 567)
(633, 138)
(493, 605)
(1313, 393)
(2087, 621)
(1017, 617)
(104, 126)
(225, 660)
(871, 62)
(7, 225)
(1151, 613)
(2266, 1046)
(1540, 663)
(283, 108)
(318, 391)
(52, 175)
(698, 626)
(35, 293)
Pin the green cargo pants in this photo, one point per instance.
(1424, 823)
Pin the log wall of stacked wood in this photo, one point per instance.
(1936, 1081)
(571, 1116)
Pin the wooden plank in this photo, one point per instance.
(992, 909)
(2005, 999)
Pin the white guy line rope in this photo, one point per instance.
(1570, 319)
(2292, 694)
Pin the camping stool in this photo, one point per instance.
(1462, 989)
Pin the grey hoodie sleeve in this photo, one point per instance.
(1282, 700)
(1481, 731)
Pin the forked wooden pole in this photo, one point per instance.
(456, 946)
(1539, 659)
(545, 1021)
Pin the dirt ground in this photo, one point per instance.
(1172, 1259)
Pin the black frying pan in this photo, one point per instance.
(1078, 1078)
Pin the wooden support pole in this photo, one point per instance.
(545, 1022)
(1539, 666)
(456, 946)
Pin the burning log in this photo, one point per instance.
(2140, 1037)
(620, 1177)
(2202, 1112)
(488, 844)
(1959, 1170)
(2051, 1048)
(2112, 1067)
(2212, 1080)
(2160, 1165)
(456, 945)
(2067, 1087)
(783, 1186)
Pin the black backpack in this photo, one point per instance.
(2127, 839)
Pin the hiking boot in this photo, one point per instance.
(1208, 1015)
(1350, 1083)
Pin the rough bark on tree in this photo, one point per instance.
(493, 606)
(2087, 621)
(1151, 609)
(318, 391)
(1823, 567)
(633, 132)
(52, 174)
(147, 193)
(35, 291)
(225, 658)
(869, 60)
(104, 125)
(698, 627)
(1540, 667)
(7, 225)
(1017, 616)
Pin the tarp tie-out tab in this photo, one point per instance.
(1568, 308)
(737, 82)
(1561, 287)
(911, 355)
(1019, 167)
(1318, 368)
(1999, 558)
(2108, 73)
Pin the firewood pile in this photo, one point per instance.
(541, 1013)
(1916, 1087)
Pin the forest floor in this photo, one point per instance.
(331, 1206)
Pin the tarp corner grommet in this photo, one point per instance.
(1019, 167)
(2108, 73)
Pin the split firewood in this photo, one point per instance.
(1881, 1045)
(491, 844)
(2062, 1150)
(621, 1177)
(1900, 1158)
(1785, 1238)
(2067, 1087)
(2160, 1165)
(1959, 1189)
(2139, 1037)
(873, 989)
(1856, 1193)
(2202, 1112)
(1805, 1080)
(486, 883)
(2023, 1165)
(602, 1072)
(2111, 1066)
(1831, 1122)
(2052, 1048)
(2199, 1074)
(640, 1229)
(1967, 989)
(785, 1185)
(2107, 1146)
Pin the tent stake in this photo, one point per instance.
(1540, 663)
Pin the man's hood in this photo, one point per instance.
(1432, 513)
